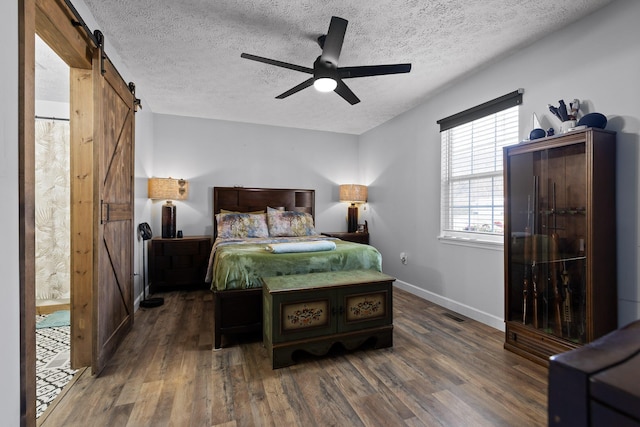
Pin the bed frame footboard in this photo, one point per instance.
(235, 312)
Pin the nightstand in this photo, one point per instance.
(178, 263)
(349, 237)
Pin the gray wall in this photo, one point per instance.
(596, 60)
(10, 302)
(211, 153)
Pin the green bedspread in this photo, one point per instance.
(240, 265)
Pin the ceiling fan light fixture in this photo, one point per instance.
(325, 84)
(327, 76)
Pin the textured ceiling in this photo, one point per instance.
(185, 54)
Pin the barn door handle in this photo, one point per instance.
(104, 208)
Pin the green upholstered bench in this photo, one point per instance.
(312, 312)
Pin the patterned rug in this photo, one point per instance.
(53, 370)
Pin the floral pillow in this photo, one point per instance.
(289, 223)
(242, 225)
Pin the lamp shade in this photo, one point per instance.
(353, 193)
(168, 189)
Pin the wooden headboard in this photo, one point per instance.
(242, 199)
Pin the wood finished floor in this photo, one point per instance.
(440, 372)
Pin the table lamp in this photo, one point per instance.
(168, 189)
(353, 193)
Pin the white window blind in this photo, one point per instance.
(472, 205)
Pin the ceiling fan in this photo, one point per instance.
(327, 76)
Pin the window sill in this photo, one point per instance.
(472, 242)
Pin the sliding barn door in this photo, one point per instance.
(114, 134)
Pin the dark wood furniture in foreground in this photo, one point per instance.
(178, 263)
(240, 311)
(312, 312)
(349, 237)
(597, 385)
(560, 242)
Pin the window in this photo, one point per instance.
(472, 204)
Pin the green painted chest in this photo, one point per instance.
(312, 312)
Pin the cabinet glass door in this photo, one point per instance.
(548, 217)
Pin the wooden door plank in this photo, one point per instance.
(54, 26)
(82, 216)
(113, 289)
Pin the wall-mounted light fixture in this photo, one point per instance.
(354, 194)
(168, 189)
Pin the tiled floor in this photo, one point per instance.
(53, 370)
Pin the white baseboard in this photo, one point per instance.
(465, 310)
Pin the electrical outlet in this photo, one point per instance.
(403, 258)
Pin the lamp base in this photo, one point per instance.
(152, 302)
(352, 219)
(168, 220)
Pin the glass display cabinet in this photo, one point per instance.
(560, 242)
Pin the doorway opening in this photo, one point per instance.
(102, 197)
(52, 225)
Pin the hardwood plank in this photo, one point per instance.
(411, 394)
(144, 409)
(120, 415)
(439, 372)
(82, 215)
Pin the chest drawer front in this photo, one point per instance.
(365, 306)
(303, 315)
(181, 248)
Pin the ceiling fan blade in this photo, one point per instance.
(303, 85)
(372, 70)
(344, 91)
(334, 39)
(277, 63)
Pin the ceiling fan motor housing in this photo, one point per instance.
(324, 70)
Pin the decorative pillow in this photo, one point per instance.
(242, 225)
(289, 223)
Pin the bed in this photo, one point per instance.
(239, 257)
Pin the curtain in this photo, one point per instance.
(53, 210)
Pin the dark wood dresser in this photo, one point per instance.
(176, 264)
(597, 384)
(356, 237)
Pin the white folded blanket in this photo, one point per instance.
(315, 246)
